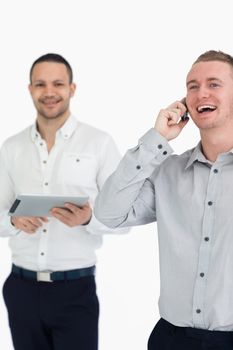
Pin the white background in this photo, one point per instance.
(130, 58)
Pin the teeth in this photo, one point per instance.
(205, 107)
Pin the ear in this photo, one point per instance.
(30, 88)
(72, 89)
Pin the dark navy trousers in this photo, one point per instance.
(61, 315)
(166, 336)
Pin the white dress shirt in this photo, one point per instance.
(78, 164)
(192, 202)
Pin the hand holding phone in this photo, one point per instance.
(169, 122)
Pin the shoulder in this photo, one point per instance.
(17, 139)
(92, 133)
(91, 129)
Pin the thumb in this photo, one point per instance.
(182, 123)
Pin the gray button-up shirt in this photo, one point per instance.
(192, 202)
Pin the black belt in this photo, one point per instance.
(201, 334)
(43, 276)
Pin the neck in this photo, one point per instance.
(48, 128)
(215, 142)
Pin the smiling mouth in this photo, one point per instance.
(206, 109)
(50, 103)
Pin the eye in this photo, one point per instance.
(39, 85)
(193, 87)
(214, 85)
(58, 84)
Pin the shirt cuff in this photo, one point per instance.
(9, 229)
(95, 227)
(156, 143)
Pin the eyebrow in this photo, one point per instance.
(209, 79)
(54, 81)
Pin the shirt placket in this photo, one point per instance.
(46, 171)
(199, 295)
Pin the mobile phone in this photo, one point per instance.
(185, 116)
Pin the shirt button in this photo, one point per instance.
(46, 183)
(215, 171)
(44, 230)
(77, 160)
(138, 167)
(202, 274)
(210, 203)
(41, 144)
(164, 153)
(206, 239)
(44, 161)
(42, 253)
(198, 311)
(160, 146)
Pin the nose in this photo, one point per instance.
(203, 92)
(49, 91)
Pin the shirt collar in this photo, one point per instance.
(68, 128)
(65, 131)
(197, 156)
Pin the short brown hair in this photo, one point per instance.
(213, 55)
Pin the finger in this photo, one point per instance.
(61, 213)
(30, 219)
(35, 222)
(183, 101)
(29, 228)
(63, 219)
(177, 112)
(72, 207)
(25, 224)
(182, 123)
(30, 231)
(179, 105)
(44, 219)
(176, 104)
(172, 117)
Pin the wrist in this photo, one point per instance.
(11, 221)
(87, 222)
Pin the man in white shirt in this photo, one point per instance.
(56, 309)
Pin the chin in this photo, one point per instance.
(52, 114)
(208, 126)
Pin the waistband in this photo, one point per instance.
(201, 334)
(44, 276)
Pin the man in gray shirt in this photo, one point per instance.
(191, 198)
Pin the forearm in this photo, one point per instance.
(95, 227)
(127, 197)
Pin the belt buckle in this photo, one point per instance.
(43, 276)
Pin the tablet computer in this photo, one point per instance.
(40, 205)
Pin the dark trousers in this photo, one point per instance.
(61, 315)
(165, 336)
